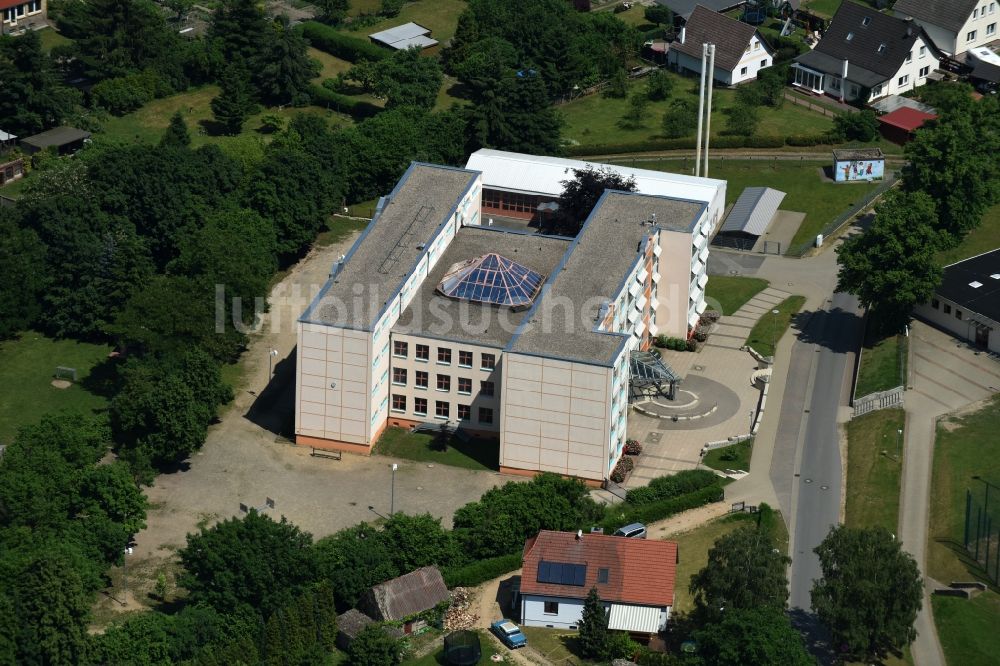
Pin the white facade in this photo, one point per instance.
(961, 323)
(980, 28)
(757, 56)
(565, 613)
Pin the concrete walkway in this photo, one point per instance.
(944, 376)
(732, 330)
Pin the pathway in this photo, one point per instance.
(944, 376)
(733, 330)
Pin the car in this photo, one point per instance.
(509, 633)
(633, 531)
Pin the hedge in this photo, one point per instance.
(479, 572)
(624, 514)
(688, 143)
(338, 44)
(336, 101)
(667, 487)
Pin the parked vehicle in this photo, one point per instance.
(509, 634)
(633, 531)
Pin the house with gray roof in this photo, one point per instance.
(955, 26)
(866, 55)
(740, 50)
(400, 599)
(683, 9)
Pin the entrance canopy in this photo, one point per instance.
(648, 371)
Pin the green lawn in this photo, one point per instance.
(441, 16)
(478, 454)
(873, 479)
(51, 37)
(331, 65)
(968, 628)
(339, 228)
(727, 294)
(436, 657)
(822, 7)
(26, 369)
(822, 201)
(883, 365)
(594, 119)
(736, 456)
(771, 327)
(984, 238)
(557, 646)
(16, 189)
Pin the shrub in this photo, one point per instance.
(338, 44)
(624, 514)
(621, 470)
(619, 8)
(661, 340)
(125, 94)
(675, 485)
(711, 316)
(691, 345)
(808, 139)
(481, 571)
(620, 646)
(700, 335)
(632, 447)
(356, 108)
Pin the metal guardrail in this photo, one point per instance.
(880, 400)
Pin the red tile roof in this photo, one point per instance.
(7, 4)
(906, 118)
(640, 571)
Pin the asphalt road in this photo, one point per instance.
(824, 353)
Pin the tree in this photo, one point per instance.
(283, 71)
(403, 79)
(373, 646)
(856, 126)
(333, 11)
(235, 102)
(593, 627)
(517, 116)
(635, 116)
(581, 194)
(681, 119)
(617, 84)
(742, 120)
(892, 266)
(32, 97)
(240, 28)
(418, 541)
(353, 560)
(745, 570)
(870, 592)
(176, 134)
(254, 562)
(391, 8)
(659, 85)
(751, 637)
(658, 14)
(21, 281)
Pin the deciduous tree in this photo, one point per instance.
(32, 97)
(403, 79)
(373, 646)
(581, 193)
(751, 637)
(681, 119)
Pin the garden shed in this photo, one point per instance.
(749, 218)
(404, 597)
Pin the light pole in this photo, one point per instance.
(774, 334)
(751, 422)
(128, 551)
(392, 491)
(899, 440)
(270, 362)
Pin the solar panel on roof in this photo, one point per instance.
(561, 573)
(492, 279)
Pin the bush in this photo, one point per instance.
(125, 94)
(624, 514)
(675, 485)
(711, 316)
(481, 571)
(356, 108)
(338, 44)
(621, 470)
(620, 646)
(808, 139)
(691, 345)
(632, 447)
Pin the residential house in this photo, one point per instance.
(634, 578)
(683, 9)
(740, 50)
(400, 599)
(967, 302)
(955, 26)
(22, 14)
(865, 55)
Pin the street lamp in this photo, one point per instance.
(774, 326)
(270, 362)
(899, 439)
(392, 491)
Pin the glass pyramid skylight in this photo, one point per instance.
(492, 279)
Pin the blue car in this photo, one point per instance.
(509, 634)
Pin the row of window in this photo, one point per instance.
(991, 29)
(976, 13)
(421, 379)
(763, 64)
(522, 203)
(32, 7)
(401, 349)
(442, 409)
(935, 303)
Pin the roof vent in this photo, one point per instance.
(579, 534)
(866, 21)
(976, 284)
(881, 48)
(995, 276)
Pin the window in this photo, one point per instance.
(420, 406)
(756, 46)
(441, 409)
(975, 13)
(866, 20)
(850, 36)
(763, 63)
(935, 303)
(401, 349)
(602, 575)
(909, 57)
(971, 37)
(486, 388)
(465, 359)
(421, 379)
(993, 6)
(464, 385)
(923, 51)
(834, 83)
(924, 71)
(491, 199)
(489, 362)
(958, 313)
(399, 376)
(947, 309)
(398, 402)
(877, 91)
(991, 29)
(464, 412)
(423, 352)
(551, 608)
(903, 80)
(743, 71)
(485, 415)
(444, 355)
(444, 383)
(855, 91)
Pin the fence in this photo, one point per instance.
(845, 217)
(881, 400)
(982, 531)
(825, 109)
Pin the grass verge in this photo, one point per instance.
(27, 365)
(736, 456)
(873, 479)
(770, 328)
(557, 646)
(477, 454)
(727, 294)
(968, 628)
(436, 657)
(883, 364)
(338, 229)
(981, 239)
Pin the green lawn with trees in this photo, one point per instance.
(735, 456)
(728, 293)
(770, 328)
(27, 366)
(874, 469)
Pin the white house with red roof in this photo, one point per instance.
(634, 578)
